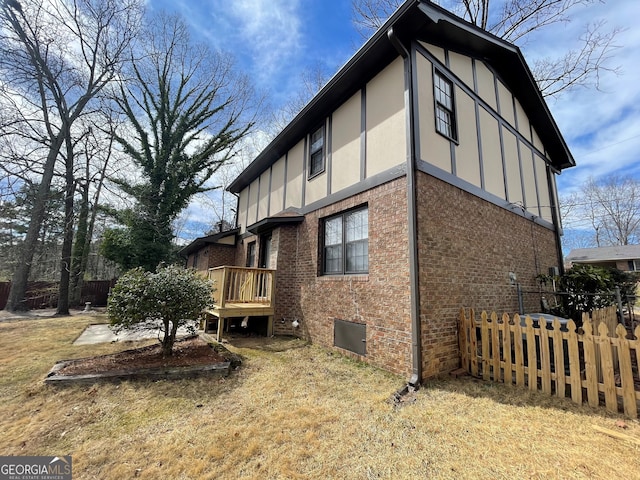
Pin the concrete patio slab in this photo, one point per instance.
(103, 333)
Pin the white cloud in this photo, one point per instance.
(265, 34)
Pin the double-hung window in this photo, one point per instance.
(346, 243)
(316, 152)
(445, 112)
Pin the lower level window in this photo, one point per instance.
(346, 243)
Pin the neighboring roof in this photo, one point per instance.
(200, 242)
(428, 22)
(604, 254)
(287, 217)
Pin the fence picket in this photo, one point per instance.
(591, 367)
(574, 363)
(506, 342)
(545, 364)
(562, 357)
(558, 358)
(608, 369)
(518, 350)
(532, 360)
(485, 346)
(495, 347)
(626, 373)
(473, 332)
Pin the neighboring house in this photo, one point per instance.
(419, 180)
(622, 257)
(211, 251)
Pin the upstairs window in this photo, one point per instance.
(316, 152)
(445, 112)
(346, 243)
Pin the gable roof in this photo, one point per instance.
(604, 254)
(200, 242)
(425, 21)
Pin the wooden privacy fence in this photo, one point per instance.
(584, 364)
(45, 294)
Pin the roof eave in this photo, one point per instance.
(378, 50)
(326, 97)
(200, 242)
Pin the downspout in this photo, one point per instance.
(416, 344)
(555, 215)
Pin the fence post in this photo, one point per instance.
(619, 302)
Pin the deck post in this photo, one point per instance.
(220, 326)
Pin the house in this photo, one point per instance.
(419, 180)
(622, 257)
(211, 250)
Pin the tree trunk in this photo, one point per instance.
(80, 248)
(16, 300)
(169, 337)
(67, 242)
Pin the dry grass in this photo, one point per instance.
(296, 413)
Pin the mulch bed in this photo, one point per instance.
(191, 351)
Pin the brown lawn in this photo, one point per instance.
(292, 411)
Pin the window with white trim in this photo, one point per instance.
(444, 106)
(345, 245)
(316, 152)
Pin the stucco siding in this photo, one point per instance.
(276, 203)
(486, 86)
(467, 160)
(462, 66)
(294, 175)
(506, 104)
(491, 155)
(512, 166)
(345, 141)
(263, 197)
(385, 120)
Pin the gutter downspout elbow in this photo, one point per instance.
(412, 222)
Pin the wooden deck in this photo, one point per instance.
(240, 292)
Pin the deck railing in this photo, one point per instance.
(242, 285)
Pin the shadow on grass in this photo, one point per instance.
(267, 344)
(514, 395)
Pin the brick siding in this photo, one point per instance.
(212, 256)
(467, 247)
(379, 299)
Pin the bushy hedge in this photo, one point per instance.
(169, 298)
(585, 288)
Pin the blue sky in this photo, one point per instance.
(275, 40)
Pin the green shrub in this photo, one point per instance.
(585, 288)
(170, 298)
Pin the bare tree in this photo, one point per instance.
(97, 151)
(189, 110)
(601, 213)
(58, 57)
(613, 206)
(313, 78)
(514, 21)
